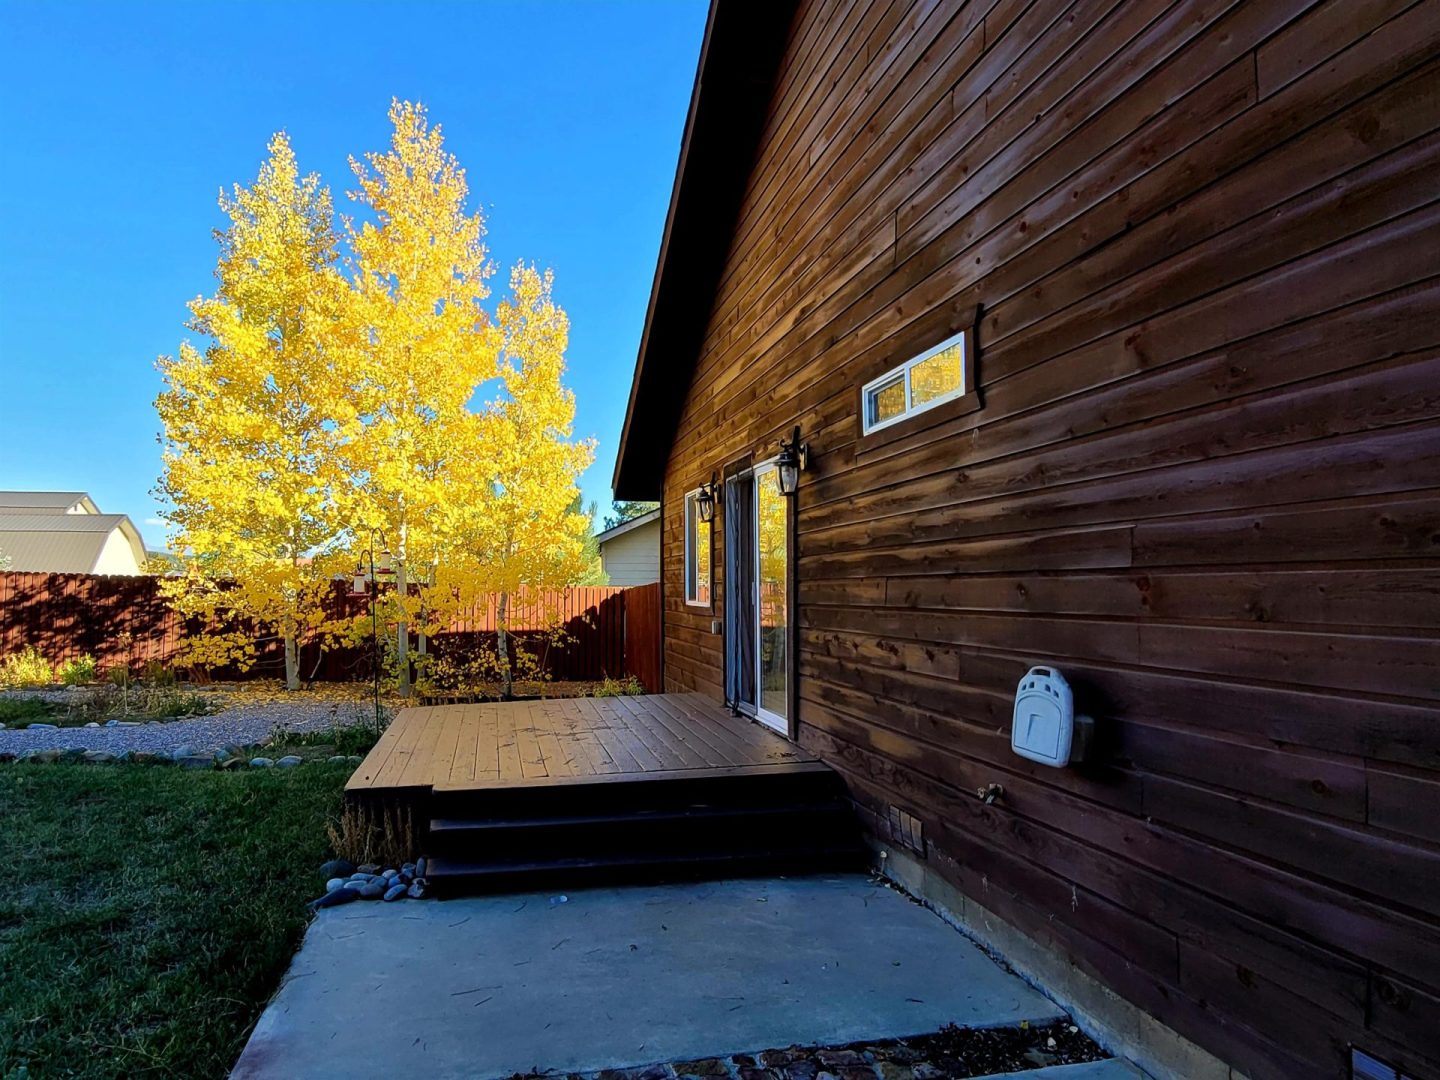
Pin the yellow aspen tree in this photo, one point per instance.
(250, 423)
(423, 344)
(522, 530)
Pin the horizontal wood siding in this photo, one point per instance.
(1204, 481)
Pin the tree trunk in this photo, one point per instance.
(502, 647)
(292, 657)
(402, 633)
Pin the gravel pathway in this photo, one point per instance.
(242, 724)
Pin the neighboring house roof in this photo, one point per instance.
(47, 502)
(46, 541)
(739, 59)
(626, 526)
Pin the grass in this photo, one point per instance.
(344, 739)
(23, 711)
(148, 914)
(100, 703)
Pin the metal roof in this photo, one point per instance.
(47, 502)
(62, 543)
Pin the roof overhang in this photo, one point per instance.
(739, 59)
(627, 526)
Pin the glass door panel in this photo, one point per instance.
(772, 539)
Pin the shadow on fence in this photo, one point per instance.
(125, 621)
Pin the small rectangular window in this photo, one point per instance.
(697, 554)
(935, 376)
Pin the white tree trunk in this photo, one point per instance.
(402, 633)
(502, 647)
(292, 657)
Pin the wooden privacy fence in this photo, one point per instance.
(125, 621)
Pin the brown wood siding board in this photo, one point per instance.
(1303, 110)
(1202, 479)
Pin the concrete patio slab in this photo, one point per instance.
(492, 986)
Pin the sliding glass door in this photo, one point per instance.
(772, 615)
(757, 592)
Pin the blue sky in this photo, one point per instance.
(122, 121)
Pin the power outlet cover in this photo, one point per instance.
(1043, 729)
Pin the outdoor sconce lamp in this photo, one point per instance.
(705, 500)
(794, 459)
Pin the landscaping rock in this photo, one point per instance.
(371, 891)
(183, 751)
(195, 761)
(45, 757)
(388, 874)
(74, 753)
(395, 892)
(92, 724)
(334, 883)
(370, 869)
(336, 759)
(416, 890)
(355, 886)
(262, 763)
(289, 761)
(420, 865)
(98, 757)
(232, 764)
(110, 723)
(339, 896)
(340, 868)
(42, 727)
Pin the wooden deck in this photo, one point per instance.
(564, 741)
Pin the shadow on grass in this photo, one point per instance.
(148, 914)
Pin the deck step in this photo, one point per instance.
(589, 796)
(692, 813)
(452, 877)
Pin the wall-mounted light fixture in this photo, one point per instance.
(705, 499)
(794, 459)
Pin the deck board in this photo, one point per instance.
(566, 741)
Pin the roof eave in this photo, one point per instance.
(739, 59)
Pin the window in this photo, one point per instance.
(933, 377)
(697, 554)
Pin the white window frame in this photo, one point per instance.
(903, 370)
(692, 580)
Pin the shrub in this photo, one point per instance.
(78, 672)
(26, 668)
(629, 686)
(26, 710)
(166, 703)
(157, 674)
(346, 739)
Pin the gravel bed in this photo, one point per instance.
(242, 724)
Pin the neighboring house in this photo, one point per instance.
(1111, 330)
(63, 532)
(630, 552)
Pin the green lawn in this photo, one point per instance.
(147, 914)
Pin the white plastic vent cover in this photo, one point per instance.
(1044, 724)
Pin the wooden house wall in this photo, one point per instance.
(1205, 480)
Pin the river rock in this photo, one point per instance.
(184, 750)
(334, 883)
(371, 891)
(339, 896)
(395, 892)
(262, 763)
(98, 757)
(42, 727)
(92, 724)
(44, 757)
(195, 761)
(289, 761)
